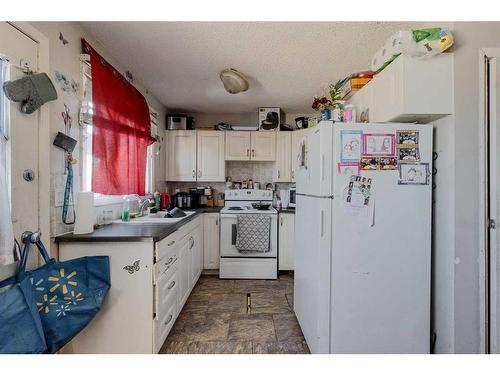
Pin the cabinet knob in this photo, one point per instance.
(172, 284)
(169, 319)
(248, 152)
(279, 174)
(170, 243)
(199, 173)
(194, 173)
(253, 152)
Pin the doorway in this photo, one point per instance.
(491, 198)
(25, 147)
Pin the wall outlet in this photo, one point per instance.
(59, 197)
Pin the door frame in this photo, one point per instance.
(489, 254)
(44, 214)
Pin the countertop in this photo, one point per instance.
(133, 232)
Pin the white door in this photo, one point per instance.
(494, 205)
(210, 160)
(237, 145)
(181, 155)
(263, 146)
(297, 139)
(211, 234)
(286, 240)
(283, 166)
(21, 147)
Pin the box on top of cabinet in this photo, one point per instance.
(270, 118)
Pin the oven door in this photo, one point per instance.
(228, 239)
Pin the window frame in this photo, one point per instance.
(85, 117)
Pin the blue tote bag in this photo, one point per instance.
(68, 294)
(20, 325)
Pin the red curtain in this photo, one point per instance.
(120, 131)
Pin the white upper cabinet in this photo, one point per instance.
(283, 166)
(298, 138)
(181, 155)
(263, 146)
(238, 145)
(409, 90)
(210, 160)
(251, 145)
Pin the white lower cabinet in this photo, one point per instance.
(286, 243)
(144, 299)
(211, 241)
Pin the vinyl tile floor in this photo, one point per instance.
(238, 317)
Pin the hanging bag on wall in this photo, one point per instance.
(68, 294)
(20, 325)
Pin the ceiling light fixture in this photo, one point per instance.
(234, 81)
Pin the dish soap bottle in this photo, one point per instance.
(126, 209)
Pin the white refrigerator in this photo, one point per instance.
(363, 266)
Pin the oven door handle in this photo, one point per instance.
(234, 232)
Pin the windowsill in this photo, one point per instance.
(105, 200)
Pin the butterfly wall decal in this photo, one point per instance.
(133, 268)
(62, 39)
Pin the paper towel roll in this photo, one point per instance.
(84, 222)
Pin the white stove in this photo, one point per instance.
(247, 265)
(240, 201)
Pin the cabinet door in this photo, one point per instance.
(263, 146)
(238, 145)
(286, 247)
(298, 137)
(184, 271)
(196, 253)
(283, 166)
(210, 159)
(211, 254)
(182, 155)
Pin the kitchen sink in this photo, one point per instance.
(157, 218)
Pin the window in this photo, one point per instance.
(86, 113)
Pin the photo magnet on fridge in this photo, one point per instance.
(350, 145)
(388, 164)
(348, 169)
(369, 164)
(414, 174)
(407, 138)
(379, 144)
(408, 155)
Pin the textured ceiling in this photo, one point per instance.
(287, 63)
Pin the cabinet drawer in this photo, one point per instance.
(166, 266)
(166, 294)
(164, 322)
(168, 246)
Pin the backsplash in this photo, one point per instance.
(238, 170)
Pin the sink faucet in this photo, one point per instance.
(143, 204)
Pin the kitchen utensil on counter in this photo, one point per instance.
(285, 198)
(84, 222)
(261, 206)
(176, 212)
(165, 201)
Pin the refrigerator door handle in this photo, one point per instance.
(322, 223)
(322, 167)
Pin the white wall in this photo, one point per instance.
(470, 37)
(65, 59)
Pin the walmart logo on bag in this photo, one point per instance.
(64, 285)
